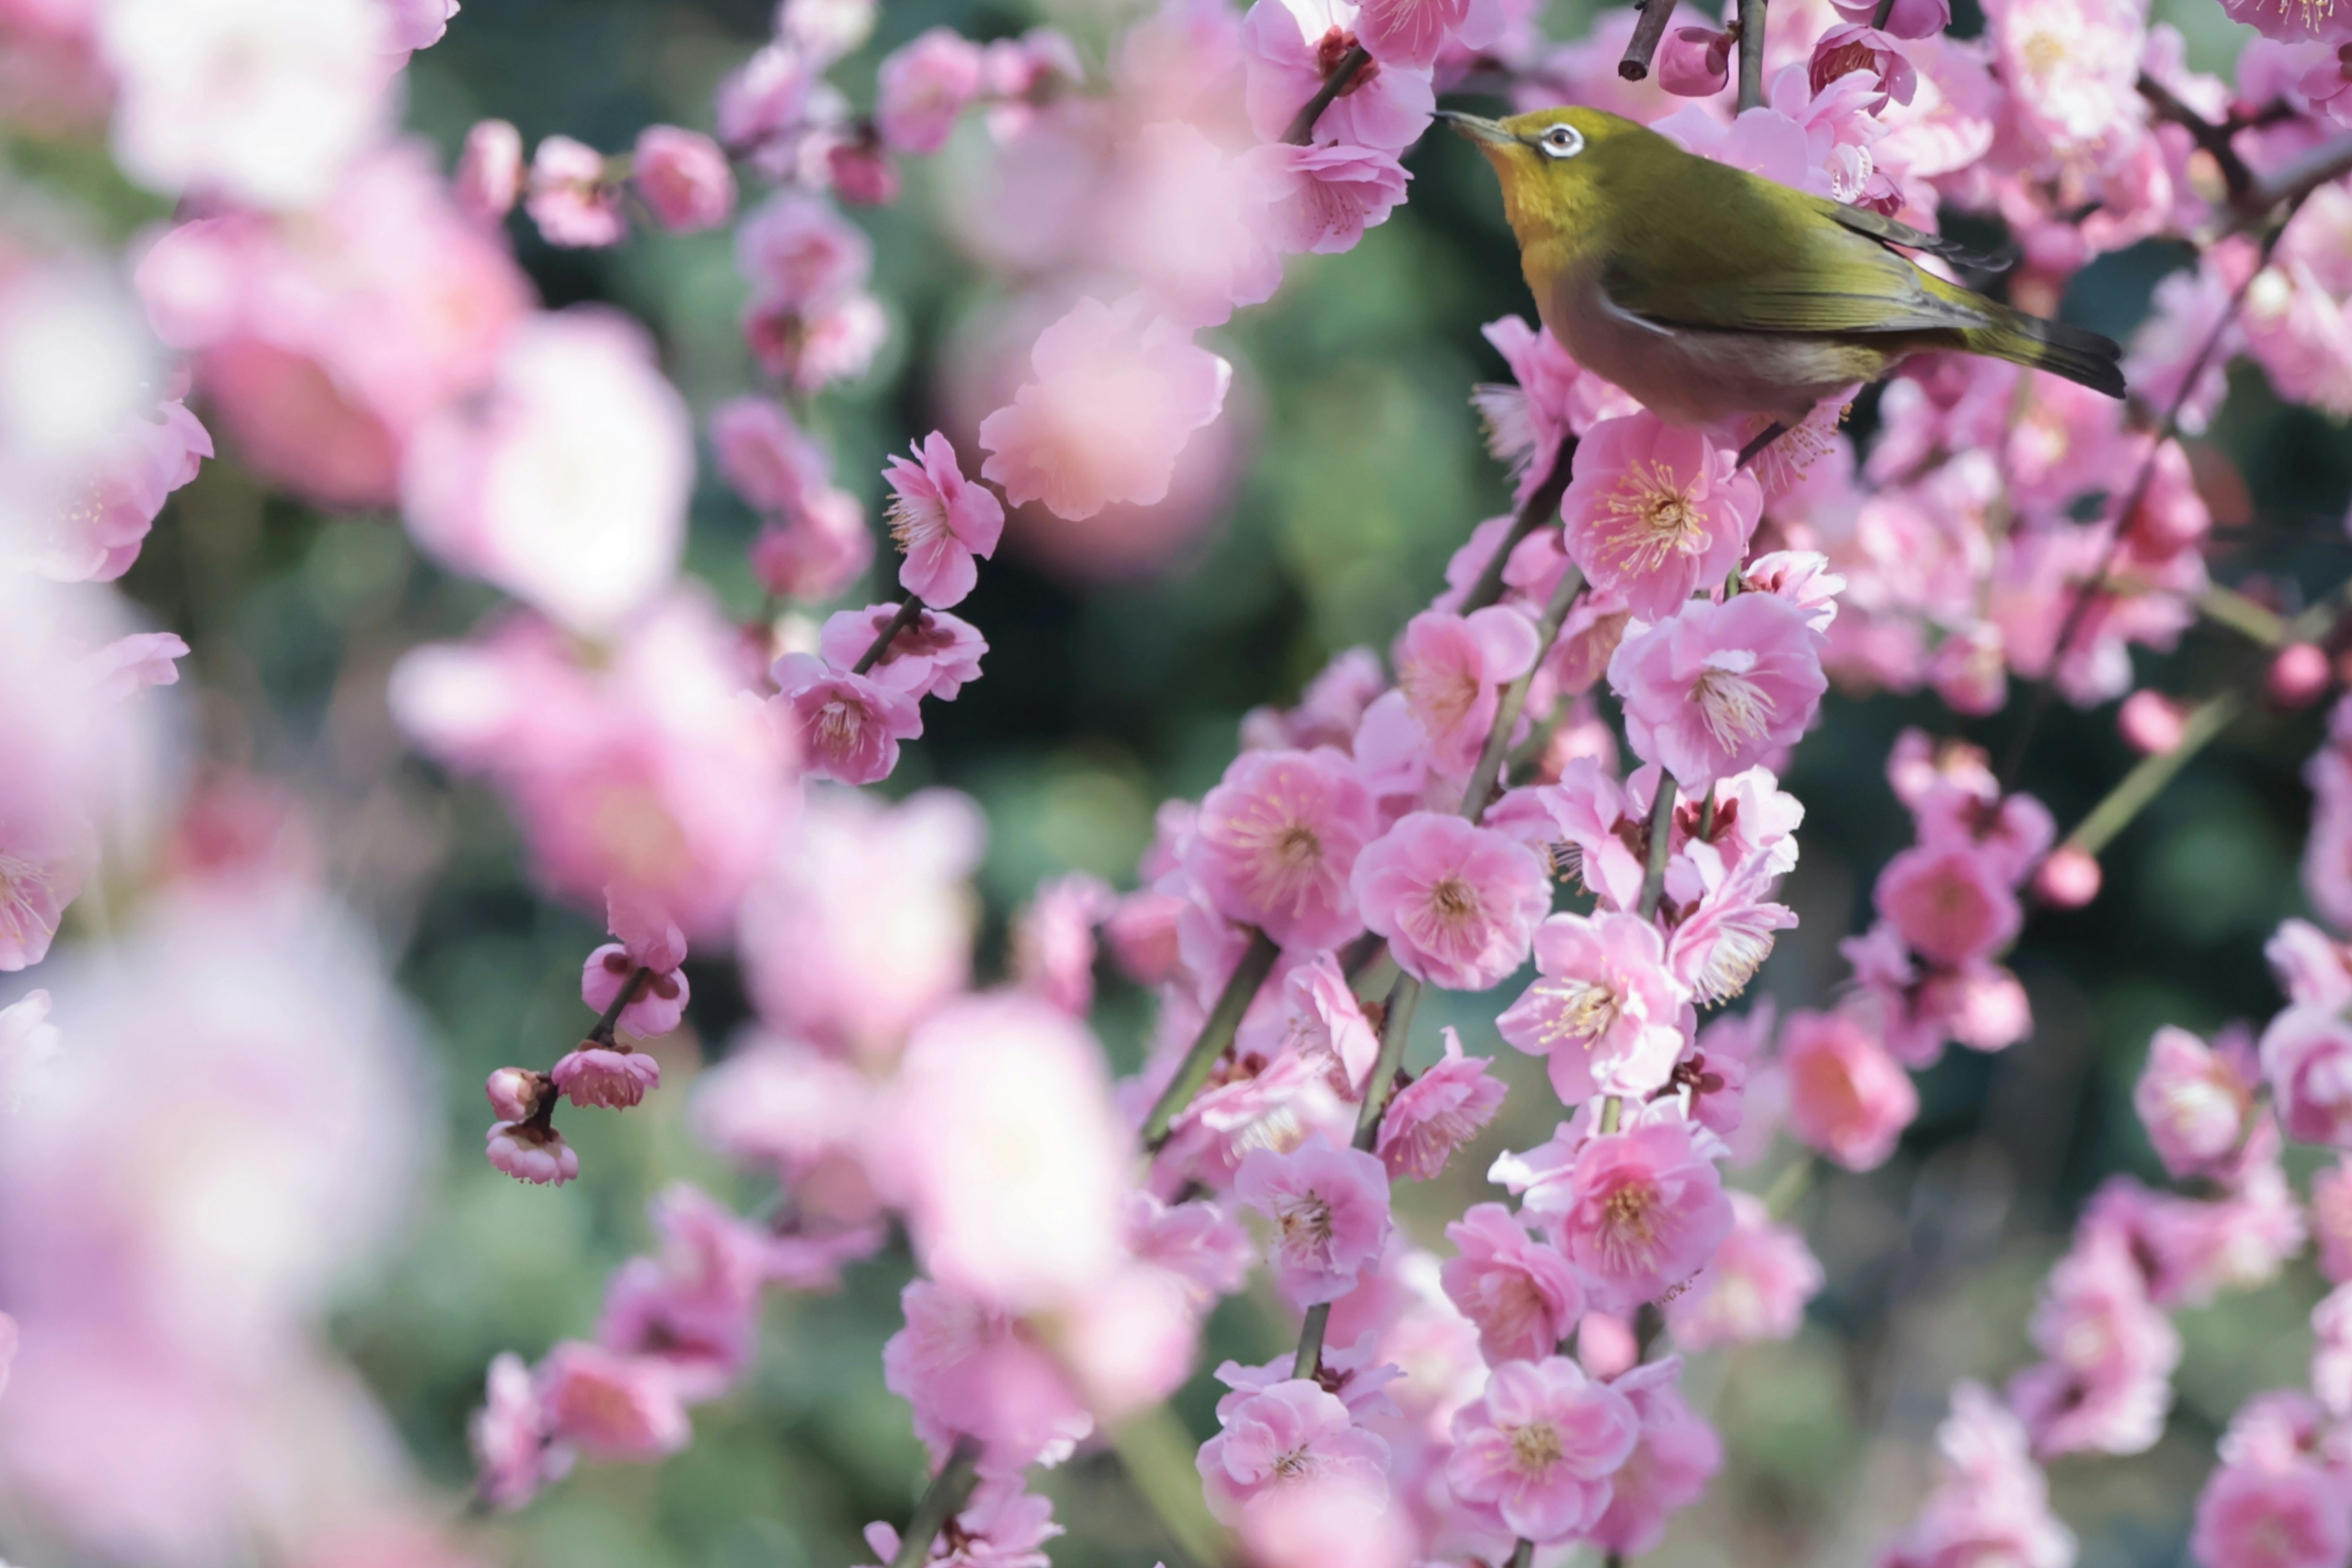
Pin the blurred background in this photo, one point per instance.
(1317, 515)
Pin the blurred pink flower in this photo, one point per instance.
(937, 655)
(693, 1306)
(1989, 1497)
(29, 1044)
(615, 1078)
(2193, 1102)
(798, 254)
(1006, 1153)
(2069, 69)
(1412, 31)
(684, 178)
(1847, 1098)
(1438, 1113)
(531, 1151)
(2306, 1054)
(1117, 396)
(1197, 1241)
(1678, 1454)
(1053, 941)
(2258, 1516)
(1717, 689)
(1277, 842)
(573, 198)
(818, 552)
(490, 174)
(922, 87)
(610, 1407)
(1189, 220)
(2106, 1383)
(1520, 1291)
(1603, 1010)
(969, 1371)
(2331, 1355)
(1321, 199)
(1326, 1520)
(998, 1526)
(1331, 1212)
(765, 456)
(1906, 19)
(567, 484)
(1288, 47)
(1534, 1455)
(1654, 512)
(514, 1453)
(1291, 1434)
(96, 534)
(849, 725)
(1755, 1289)
(2331, 1219)
(941, 520)
(2291, 20)
(1638, 1211)
(1457, 903)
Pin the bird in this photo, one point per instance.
(1716, 296)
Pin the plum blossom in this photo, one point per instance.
(1678, 1454)
(1452, 670)
(941, 520)
(2306, 1054)
(1330, 1212)
(659, 1000)
(1990, 1498)
(1321, 199)
(1292, 1434)
(1717, 687)
(1694, 62)
(849, 725)
(1637, 1211)
(684, 178)
(1603, 1011)
(573, 198)
(1437, 1113)
(490, 175)
(2106, 1384)
(514, 1452)
(2293, 1515)
(2195, 1101)
(923, 86)
(1847, 1098)
(967, 1372)
(1754, 1288)
(1288, 47)
(532, 1152)
(1949, 901)
(1534, 1456)
(1458, 904)
(1116, 396)
(610, 1407)
(999, 1526)
(1654, 512)
(936, 654)
(613, 1077)
(1277, 842)
(1327, 1024)
(2331, 1219)
(1521, 1292)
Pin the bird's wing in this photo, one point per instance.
(1888, 231)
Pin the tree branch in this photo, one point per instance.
(2215, 140)
(1751, 54)
(1542, 506)
(1343, 76)
(1216, 1033)
(1643, 46)
(910, 610)
(942, 1500)
(1513, 701)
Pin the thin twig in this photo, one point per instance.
(1751, 54)
(1513, 701)
(1662, 834)
(910, 610)
(1880, 18)
(2215, 140)
(602, 1034)
(1216, 1033)
(2291, 184)
(942, 1500)
(1643, 46)
(1523, 1555)
(1542, 506)
(1343, 75)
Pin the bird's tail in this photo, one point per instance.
(2081, 356)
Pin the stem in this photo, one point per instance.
(1751, 54)
(942, 1499)
(1662, 836)
(910, 610)
(2297, 180)
(2146, 781)
(2256, 623)
(1523, 1555)
(1542, 505)
(1513, 701)
(1216, 1035)
(1309, 1359)
(2214, 139)
(602, 1034)
(1880, 18)
(1302, 128)
(1612, 1111)
(1643, 46)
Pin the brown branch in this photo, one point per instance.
(910, 610)
(942, 1500)
(1216, 1033)
(1648, 29)
(2297, 180)
(1542, 506)
(2215, 140)
(1751, 54)
(1342, 76)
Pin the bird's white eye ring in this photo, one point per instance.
(1562, 141)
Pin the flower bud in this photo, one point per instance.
(2298, 676)
(2069, 878)
(1694, 62)
(515, 1093)
(489, 171)
(2150, 722)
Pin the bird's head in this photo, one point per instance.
(1550, 162)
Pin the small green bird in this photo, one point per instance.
(1709, 293)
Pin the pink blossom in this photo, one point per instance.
(1549, 396)
(613, 1077)
(513, 1446)
(2299, 675)
(1321, 199)
(1654, 511)
(832, 341)
(1521, 1292)
(1452, 670)
(1755, 1289)
(2070, 69)
(684, 178)
(998, 1526)
(1276, 843)
(1458, 904)
(2193, 1102)
(573, 199)
(818, 552)
(937, 655)
(1604, 1010)
(2331, 1219)
(1694, 62)
(1990, 1497)
(2151, 722)
(489, 173)
(1718, 688)
(850, 725)
(693, 1308)
(1907, 19)
(1412, 31)
(969, 1372)
(1116, 396)
(1640, 1211)
(1327, 1024)
(532, 1152)
(1053, 941)
(515, 1093)
(941, 520)
(1678, 1454)
(2105, 1385)
(567, 483)
(800, 256)
(610, 1407)
(1437, 1113)
(1198, 1242)
(1288, 47)
(1354, 1372)
(95, 535)
(922, 87)
(1331, 1212)
(1007, 1153)
(2290, 21)
(29, 1045)
(2260, 1516)
(1330, 1520)
(1291, 1434)
(827, 30)
(1858, 46)
(2306, 1054)
(129, 665)
(660, 1000)
(768, 459)
(1189, 219)
(1536, 1454)
(1847, 1098)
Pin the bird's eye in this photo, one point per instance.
(1562, 141)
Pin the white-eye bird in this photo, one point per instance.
(1710, 293)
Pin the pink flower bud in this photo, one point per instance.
(533, 1153)
(489, 171)
(684, 177)
(2298, 676)
(2150, 722)
(1694, 62)
(515, 1093)
(605, 1075)
(2068, 879)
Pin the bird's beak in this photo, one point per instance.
(1478, 128)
